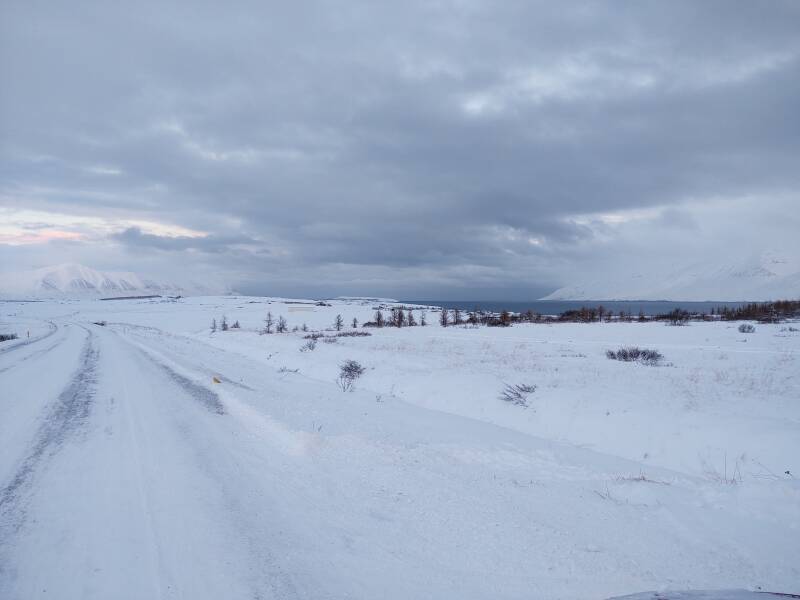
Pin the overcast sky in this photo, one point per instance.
(444, 149)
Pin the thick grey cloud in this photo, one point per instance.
(440, 148)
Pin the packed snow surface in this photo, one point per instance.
(127, 471)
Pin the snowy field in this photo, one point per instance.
(152, 458)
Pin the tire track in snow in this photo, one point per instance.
(64, 418)
(149, 332)
(206, 397)
(266, 575)
(199, 392)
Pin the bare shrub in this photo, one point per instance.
(636, 354)
(724, 475)
(349, 372)
(746, 328)
(309, 345)
(332, 339)
(641, 477)
(677, 317)
(6, 337)
(517, 394)
(100, 323)
(236, 325)
(224, 323)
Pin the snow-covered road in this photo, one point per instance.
(126, 472)
(123, 489)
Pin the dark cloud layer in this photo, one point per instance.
(442, 148)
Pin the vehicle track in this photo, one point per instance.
(265, 576)
(202, 394)
(64, 418)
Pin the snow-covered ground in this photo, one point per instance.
(126, 471)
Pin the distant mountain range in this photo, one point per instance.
(73, 280)
(768, 276)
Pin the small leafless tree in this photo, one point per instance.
(282, 326)
(213, 325)
(456, 316)
(338, 323)
(355, 323)
(422, 319)
(412, 322)
(444, 319)
(236, 325)
(224, 323)
(379, 320)
(269, 323)
(304, 327)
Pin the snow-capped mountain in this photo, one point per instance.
(768, 276)
(73, 280)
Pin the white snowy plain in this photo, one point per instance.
(126, 471)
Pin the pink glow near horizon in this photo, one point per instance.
(39, 237)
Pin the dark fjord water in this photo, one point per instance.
(555, 307)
